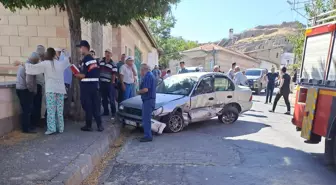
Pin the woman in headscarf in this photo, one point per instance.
(54, 86)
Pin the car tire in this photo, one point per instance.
(329, 152)
(229, 115)
(174, 122)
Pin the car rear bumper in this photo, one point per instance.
(246, 106)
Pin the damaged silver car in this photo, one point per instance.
(191, 97)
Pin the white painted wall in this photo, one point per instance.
(287, 59)
(153, 59)
(267, 65)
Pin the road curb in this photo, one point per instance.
(81, 167)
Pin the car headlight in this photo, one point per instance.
(157, 111)
(121, 107)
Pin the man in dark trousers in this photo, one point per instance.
(107, 83)
(284, 90)
(89, 88)
(270, 85)
(148, 95)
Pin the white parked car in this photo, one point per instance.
(191, 97)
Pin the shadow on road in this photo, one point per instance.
(252, 110)
(255, 115)
(214, 127)
(190, 158)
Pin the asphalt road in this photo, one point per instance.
(261, 148)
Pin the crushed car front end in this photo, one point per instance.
(130, 111)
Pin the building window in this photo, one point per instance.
(277, 55)
(129, 52)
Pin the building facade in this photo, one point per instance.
(23, 30)
(209, 55)
(287, 59)
(272, 55)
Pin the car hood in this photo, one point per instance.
(161, 99)
(252, 77)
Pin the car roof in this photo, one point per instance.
(200, 74)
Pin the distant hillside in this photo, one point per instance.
(262, 37)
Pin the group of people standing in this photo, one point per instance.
(37, 78)
(48, 73)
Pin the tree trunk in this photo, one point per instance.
(72, 8)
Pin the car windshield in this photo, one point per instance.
(177, 84)
(253, 73)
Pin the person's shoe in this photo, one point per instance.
(287, 113)
(86, 129)
(100, 129)
(146, 139)
(271, 111)
(266, 103)
(49, 132)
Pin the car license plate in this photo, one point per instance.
(129, 122)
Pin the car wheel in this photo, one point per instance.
(174, 122)
(230, 115)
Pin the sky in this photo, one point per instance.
(210, 20)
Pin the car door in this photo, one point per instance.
(224, 91)
(203, 100)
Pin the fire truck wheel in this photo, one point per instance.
(330, 151)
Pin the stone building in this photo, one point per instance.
(208, 55)
(272, 55)
(23, 30)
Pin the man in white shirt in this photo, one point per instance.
(231, 72)
(128, 78)
(239, 77)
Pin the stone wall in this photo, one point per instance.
(9, 108)
(23, 30)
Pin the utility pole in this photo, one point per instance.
(297, 5)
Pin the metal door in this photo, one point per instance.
(137, 62)
(309, 113)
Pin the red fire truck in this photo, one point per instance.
(315, 104)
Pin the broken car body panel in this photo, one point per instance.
(198, 96)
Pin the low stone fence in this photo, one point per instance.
(9, 108)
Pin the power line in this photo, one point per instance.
(296, 5)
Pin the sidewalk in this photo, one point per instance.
(66, 158)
